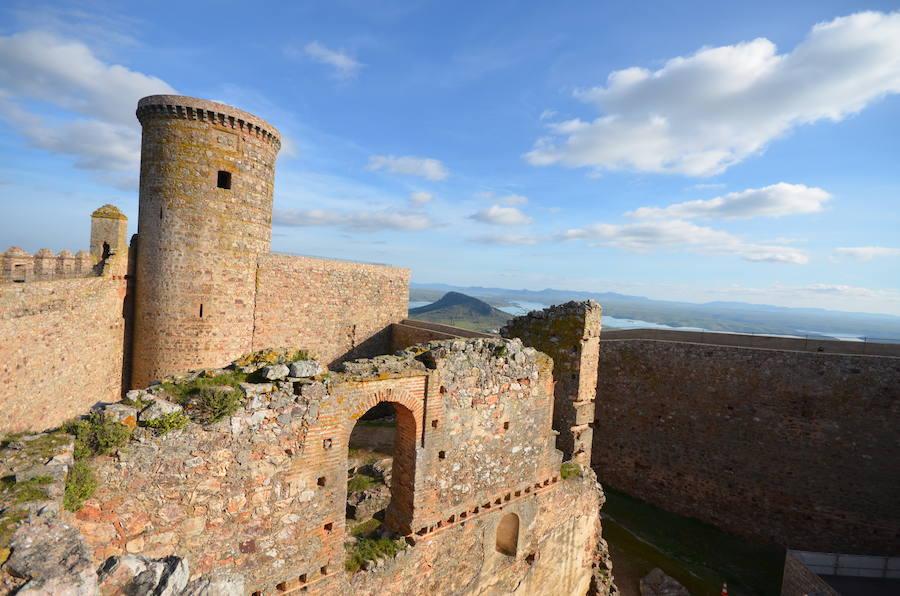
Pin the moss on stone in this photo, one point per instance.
(361, 482)
(570, 469)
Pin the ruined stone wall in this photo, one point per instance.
(559, 548)
(410, 332)
(570, 334)
(263, 492)
(336, 309)
(61, 347)
(793, 448)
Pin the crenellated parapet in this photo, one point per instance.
(108, 255)
(190, 108)
(20, 266)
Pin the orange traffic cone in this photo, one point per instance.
(724, 588)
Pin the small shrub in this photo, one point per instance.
(94, 436)
(167, 422)
(80, 486)
(569, 469)
(182, 393)
(369, 549)
(209, 404)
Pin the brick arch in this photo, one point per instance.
(393, 395)
(409, 407)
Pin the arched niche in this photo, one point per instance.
(508, 535)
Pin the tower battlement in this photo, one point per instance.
(220, 114)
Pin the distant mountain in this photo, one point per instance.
(458, 309)
(737, 317)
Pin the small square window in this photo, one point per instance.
(324, 570)
(329, 526)
(434, 424)
(224, 180)
(442, 455)
(506, 425)
(326, 444)
(321, 481)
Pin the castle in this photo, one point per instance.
(491, 492)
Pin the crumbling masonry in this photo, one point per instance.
(252, 500)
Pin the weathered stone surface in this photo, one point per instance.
(789, 447)
(119, 412)
(216, 583)
(134, 574)
(53, 557)
(275, 372)
(657, 583)
(364, 504)
(158, 407)
(305, 368)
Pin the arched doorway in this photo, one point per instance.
(381, 471)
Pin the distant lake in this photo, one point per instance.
(639, 324)
(520, 308)
(418, 303)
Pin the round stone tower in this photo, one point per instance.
(207, 174)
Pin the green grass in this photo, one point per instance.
(45, 446)
(182, 392)
(698, 555)
(167, 422)
(16, 493)
(361, 482)
(94, 436)
(366, 529)
(367, 456)
(369, 549)
(80, 486)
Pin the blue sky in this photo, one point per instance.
(678, 150)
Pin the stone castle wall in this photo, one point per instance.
(61, 349)
(794, 448)
(199, 234)
(263, 492)
(570, 334)
(337, 309)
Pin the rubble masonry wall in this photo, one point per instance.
(793, 448)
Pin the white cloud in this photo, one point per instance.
(420, 198)
(775, 200)
(647, 236)
(710, 186)
(360, 221)
(42, 67)
(344, 66)
(426, 167)
(865, 253)
(501, 216)
(507, 239)
(700, 114)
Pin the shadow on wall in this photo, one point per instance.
(376, 345)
